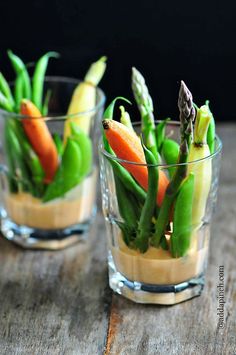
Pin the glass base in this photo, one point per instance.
(56, 239)
(153, 294)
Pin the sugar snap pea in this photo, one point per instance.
(182, 221)
(86, 149)
(38, 78)
(170, 152)
(68, 174)
(22, 72)
(145, 222)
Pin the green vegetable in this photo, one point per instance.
(211, 131)
(128, 181)
(187, 114)
(160, 133)
(182, 221)
(59, 144)
(5, 89)
(145, 223)
(18, 168)
(86, 148)
(46, 102)
(145, 105)
(22, 73)
(38, 78)
(29, 157)
(68, 174)
(4, 103)
(18, 92)
(170, 152)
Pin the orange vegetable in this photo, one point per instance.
(40, 138)
(127, 146)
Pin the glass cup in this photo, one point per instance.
(28, 218)
(157, 275)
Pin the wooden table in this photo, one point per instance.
(60, 302)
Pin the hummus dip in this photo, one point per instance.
(157, 266)
(75, 207)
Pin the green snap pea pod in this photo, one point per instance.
(21, 71)
(125, 118)
(38, 78)
(20, 171)
(58, 142)
(170, 152)
(182, 221)
(86, 149)
(9, 153)
(160, 133)
(128, 181)
(5, 89)
(5, 103)
(30, 157)
(145, 222)
(128, 209)
(68, 174)
(46, 102)
(211, 131)
(187, 114)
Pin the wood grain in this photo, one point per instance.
(60, 302)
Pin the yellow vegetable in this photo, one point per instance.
(84, 98)
(199, 149)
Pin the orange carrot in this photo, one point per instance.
(40, 138)
(127, 146)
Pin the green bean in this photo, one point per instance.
(68, 174)
(160, 133)
(145, 222)
(9, 153)
(59, 144)
(46, 102)
(18, 92)
(5, 89)
(30, 158)
(182, 221)
(130, 184)
(4, 103)
(170, 152)
(86, 148)
(38, 78)
(20, 170)
(129, 210)
(211, 131)
(21, 71)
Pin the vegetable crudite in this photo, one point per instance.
(156, 178)
(49, 126)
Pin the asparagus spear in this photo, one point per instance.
(187, 114)
(145, 105)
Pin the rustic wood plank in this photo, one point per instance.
(54, 302)
(190, 327)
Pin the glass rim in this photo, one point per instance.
(62, 79)
(164, 166)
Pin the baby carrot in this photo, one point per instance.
(40, 138)
(127, 146)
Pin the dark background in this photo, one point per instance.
(167, 41)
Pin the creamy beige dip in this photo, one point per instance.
(157, 266)
(75, 207)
